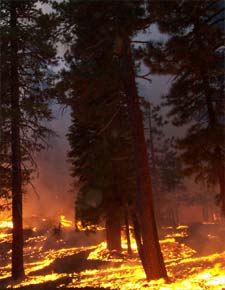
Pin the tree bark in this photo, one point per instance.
(113, 215)
(218, 158)
(219, 164)
(137, 236)
(17, 239)
(126, 221)
(113, 229)
(151, 256)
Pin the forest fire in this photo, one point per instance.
(46, 257)
(112, 152)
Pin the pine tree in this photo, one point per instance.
(96, 135)
(4, 127)
(26, 53)
(194, 55)
(101, 81)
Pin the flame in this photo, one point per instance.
(185, 269)
(6, 224)
(91, 228)
(65, 222)
(39, 279)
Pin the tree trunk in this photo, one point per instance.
(218, 156)
(152, 259)
(222, 192)
(17, 239)
(113, 215)
(219, 164)
(126, 221)
(113, 229)
(137, 236)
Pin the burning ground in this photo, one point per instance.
(59, 258)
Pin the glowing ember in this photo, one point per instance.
(38, 280)
(131, 276)
(4, 238)
(185, 269)
(89, 228)
(6, 224)
(65, 222)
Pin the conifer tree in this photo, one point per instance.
(26, 52)
(100, 82)
(4, 128)
(97, 132)
(194, 54)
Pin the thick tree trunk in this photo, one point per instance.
(113, 229)
(151, 256)
(17, 240)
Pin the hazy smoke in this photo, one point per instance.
(53, 182)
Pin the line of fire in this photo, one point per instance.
(112, 145)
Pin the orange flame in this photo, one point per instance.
(185, 268)
(6, 224)
(65, 222)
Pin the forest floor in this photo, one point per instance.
(194, 257)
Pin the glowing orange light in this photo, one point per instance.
(186, 270)
(65, 222)
(6, 224)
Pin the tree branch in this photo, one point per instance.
(145, 77)
(215, 14)
(217, 21)
(143, 23)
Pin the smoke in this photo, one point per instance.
(206, 238)
(52, 196)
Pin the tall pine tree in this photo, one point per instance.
(26, 53)
(102, 78)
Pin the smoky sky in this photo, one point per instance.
(52, 180)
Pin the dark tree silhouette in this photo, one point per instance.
(26, 52)
(101, 83)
